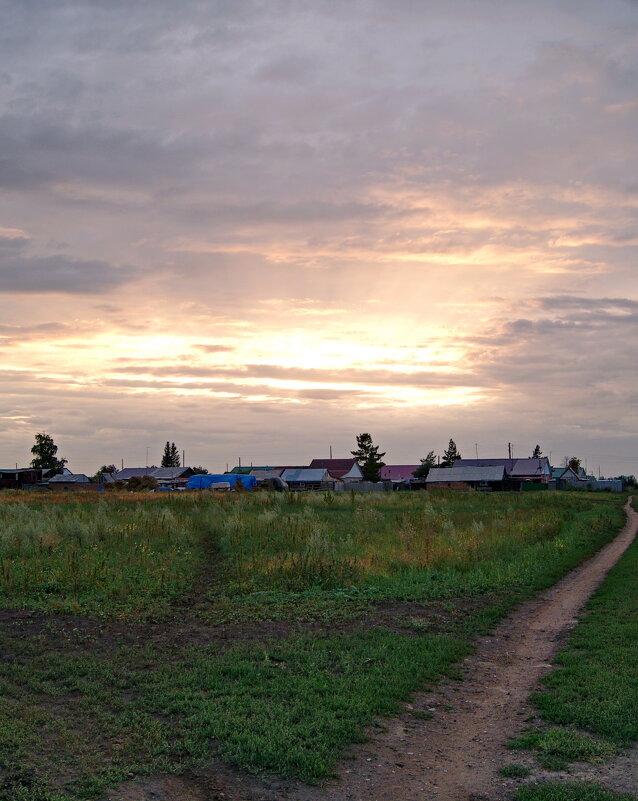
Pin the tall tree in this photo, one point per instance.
(106, 468)
(175, 456)
(44, 453)
(537, 452)
(170, 457)
(368, 458)
(166, 456)
(450, 455)
(424, 468)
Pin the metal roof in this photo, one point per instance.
(305, 475)
(74, 478)
(515, 467)
(170, 472)
(130, 472)
(336, 467)
(398, 472)
(466, 474)
(262, 473)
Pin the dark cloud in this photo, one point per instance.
(267, 372)
(44, 274)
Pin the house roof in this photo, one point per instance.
(515, 467)
(74, 478)
(305, 474)
(262, 473)
(398, 472)
(170, 472)
(130, 472)
(466, 473)
(531, 467)
(563, 472)
(336, 467)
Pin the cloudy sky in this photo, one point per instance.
(259, 227)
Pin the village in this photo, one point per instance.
(363, 471)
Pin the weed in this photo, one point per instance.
(569, 791)
(564, 745)
(514, 771)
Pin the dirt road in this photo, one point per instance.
(455, 756)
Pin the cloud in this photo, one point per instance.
(24, 273)
(64, 274)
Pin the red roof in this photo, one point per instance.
(336, 467)
(398, 472)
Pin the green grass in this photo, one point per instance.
(514, 771)
(286, 706)
(557, 746)
(82, 707)
(593, 693)
(596, 684)
(569, 791)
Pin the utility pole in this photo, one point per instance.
(509, 449)
(331, 451)
(147, 449)
(183, 458)
(476, 449)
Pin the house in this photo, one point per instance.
(19, 478)
(518, 471)
(399, 472)
(72, 481)
(170, 477)
(307, 478)
(564, 477)
(344, 469)
(484, 477)
(28, 477)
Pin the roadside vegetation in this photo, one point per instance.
(589, 703)
(264, 630)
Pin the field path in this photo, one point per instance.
(456, 756)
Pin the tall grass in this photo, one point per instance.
(129, 554)
(399, 543)
(76, 554)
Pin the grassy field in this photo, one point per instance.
(593, 695)
(155, 634)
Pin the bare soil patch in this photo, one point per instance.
(456, 755)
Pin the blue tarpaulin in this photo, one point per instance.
(206, 482)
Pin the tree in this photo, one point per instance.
(450, 455)
(199, 471)
(572, 462)
(424, 468)
(537, 452)
(368, 457)
(170, 457)
(106, 468)
(141, 483)
(44, 454)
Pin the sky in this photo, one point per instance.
(257, 228)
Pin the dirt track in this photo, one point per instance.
(455, 756)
